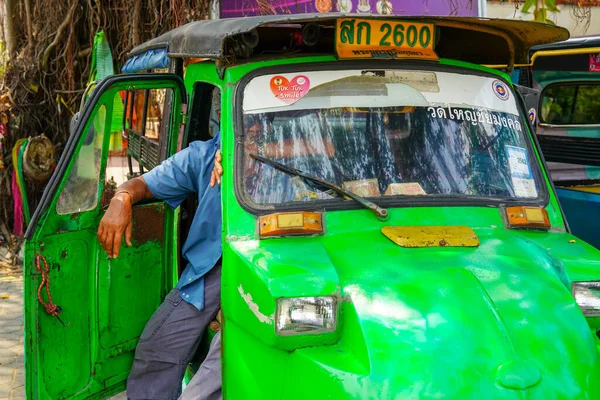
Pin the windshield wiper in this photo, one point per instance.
(380, 213)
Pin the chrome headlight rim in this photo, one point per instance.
(587, 297)
(282, 307)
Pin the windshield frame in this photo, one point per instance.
(337, 204)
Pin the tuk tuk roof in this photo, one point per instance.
(477, 40)
(573, 43)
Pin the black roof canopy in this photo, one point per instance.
(478, 40)
(569, 55)
(573, 43)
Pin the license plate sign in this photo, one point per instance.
(375, 38)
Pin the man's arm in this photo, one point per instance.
(171, 181)
(118, 219)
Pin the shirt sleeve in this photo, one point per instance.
(178, 176)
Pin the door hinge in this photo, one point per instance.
(184, 113)
(181, 133)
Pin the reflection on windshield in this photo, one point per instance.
(388, 151)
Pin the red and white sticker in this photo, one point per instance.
(290, 91)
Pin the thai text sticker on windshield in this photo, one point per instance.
(520, 172)
(518, 162)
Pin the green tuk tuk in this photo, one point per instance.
(390, 230)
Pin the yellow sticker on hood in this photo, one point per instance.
(431, 236)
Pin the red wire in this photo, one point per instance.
(50, 307)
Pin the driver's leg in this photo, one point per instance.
(206, 384)
(169, 341)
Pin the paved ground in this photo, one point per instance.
(11, 334)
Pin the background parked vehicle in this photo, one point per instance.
(567, 118)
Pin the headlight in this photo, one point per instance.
(587, 295)
(301, 315)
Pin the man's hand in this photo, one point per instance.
(117, 220)
(215, 175)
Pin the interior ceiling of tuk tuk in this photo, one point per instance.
(476, 40)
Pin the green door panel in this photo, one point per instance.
(131, 287)
(105, 307)
(70, 285)
(105, 302)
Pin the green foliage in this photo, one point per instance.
(571, 104)
(527, 5)
(551, 6)
(541, 8)
(587, 105)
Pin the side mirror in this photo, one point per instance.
(571, 104)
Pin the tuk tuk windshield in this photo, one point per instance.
(381, 133)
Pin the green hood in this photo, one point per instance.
(495, 321)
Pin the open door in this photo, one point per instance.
(86, 350)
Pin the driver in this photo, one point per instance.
(306, 152)
(207, 382)
(172, 335)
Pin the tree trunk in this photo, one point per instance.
(135, 26)
(29, 25)
(12, 26)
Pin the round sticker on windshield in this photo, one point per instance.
(290, 91)
(531, 114)
(501, 90)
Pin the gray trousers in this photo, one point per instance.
(206, 384)
(170, 340)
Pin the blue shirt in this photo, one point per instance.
(173, 180)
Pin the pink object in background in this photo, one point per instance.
(595, 62)
(18, 206)
(2, 135)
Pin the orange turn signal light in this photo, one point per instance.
(290, 223)
(527, 217)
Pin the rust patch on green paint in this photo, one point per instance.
(148, 223)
